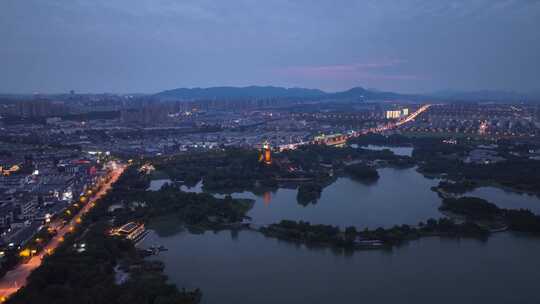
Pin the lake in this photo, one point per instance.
(247, 267)
(398, 150)
(156, 184)
(508, 199)
(400, 196)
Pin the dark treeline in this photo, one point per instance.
(362, 172)
(457, 187)
(523, 174)
(328, 235)
(476, 209)
(230, 170)
(200, 209)
(472, 207)
(308, 193)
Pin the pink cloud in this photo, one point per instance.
(372, 71)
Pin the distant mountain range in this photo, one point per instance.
(239, 92)
(354, 94)
(357, 93)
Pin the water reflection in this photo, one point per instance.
(507, 199)
(267, 198)
(398, 197)
(397, 150)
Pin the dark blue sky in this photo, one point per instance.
(152, 45)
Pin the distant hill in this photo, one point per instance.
(357, 93)
(354, 94)
(238, 93)
(371, 94)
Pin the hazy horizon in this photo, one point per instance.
(416, 46)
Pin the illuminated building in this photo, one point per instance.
(331, 140)
(396, 114)
(482, 129)
(8, 171)
(266, 154)
(131, 231)
(67, 195)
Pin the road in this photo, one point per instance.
(399, 123)
(16, 278)
(386, 127)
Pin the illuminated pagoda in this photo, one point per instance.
(266, 154)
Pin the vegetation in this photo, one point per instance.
(350, 238)
(227, 171)
(362, 172)
(308, 193)
(457, 187)
(476, 209)
(198, 209)
(522, 220)
(472, 207)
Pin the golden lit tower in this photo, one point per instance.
(266, 154)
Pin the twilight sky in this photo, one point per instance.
(151, 45)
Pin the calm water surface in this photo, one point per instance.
(508, 199)
(398, 150)
(156, 184)
(398, 197)
(246, 267)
